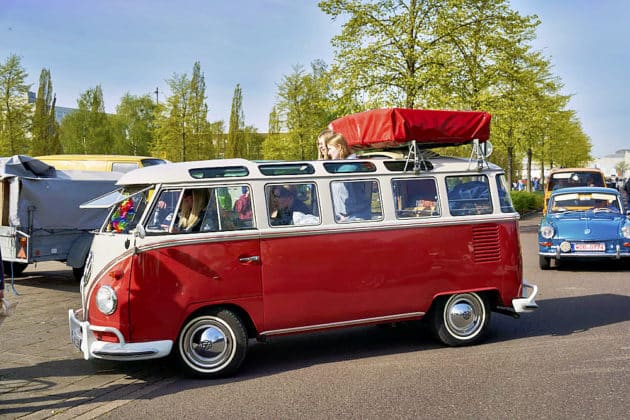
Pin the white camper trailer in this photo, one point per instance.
(40, 218)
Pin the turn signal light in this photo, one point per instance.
(116, 274)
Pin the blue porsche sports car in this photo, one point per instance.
(584, 222)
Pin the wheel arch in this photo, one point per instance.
(243, 315)
(491, 296)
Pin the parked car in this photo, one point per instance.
(584, 222)
(107, 163)
(573, 177)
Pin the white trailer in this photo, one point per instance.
(40, 217)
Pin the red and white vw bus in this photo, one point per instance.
(289, 247)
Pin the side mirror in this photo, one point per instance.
(140, 232)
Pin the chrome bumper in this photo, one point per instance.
(83, 339)
(527, 302)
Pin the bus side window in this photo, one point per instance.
(164, 211)
(415, 198)
(356, 201)
(468, 195)
(292, 204)
(221, 215)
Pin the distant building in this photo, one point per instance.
(60, 111)
(608, 163)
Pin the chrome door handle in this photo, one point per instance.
(254, 258)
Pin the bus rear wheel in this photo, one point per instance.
(460, 319)
(212, 344)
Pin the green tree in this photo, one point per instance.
(235, 146)
(306, 104)
(87, 130)
(45, 129)
(183, 131)
(200, 141)
(15, 111)
(173, 122)
(134, 125)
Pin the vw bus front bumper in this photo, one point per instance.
(82, 337)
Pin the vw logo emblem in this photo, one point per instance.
(587, 231)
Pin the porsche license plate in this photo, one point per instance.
(590, 247)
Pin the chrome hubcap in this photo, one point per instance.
(208, 344)
(464, 315)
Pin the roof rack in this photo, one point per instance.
(418, 157)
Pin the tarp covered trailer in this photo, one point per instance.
(40, 217)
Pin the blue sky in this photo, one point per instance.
(135, 45)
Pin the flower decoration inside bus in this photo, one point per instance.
(123, 215)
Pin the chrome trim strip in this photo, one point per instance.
(342, 324)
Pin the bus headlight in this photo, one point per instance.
(106, 300)
(625, 231)
(547, 231)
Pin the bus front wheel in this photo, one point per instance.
(212, 344)
(460, 319)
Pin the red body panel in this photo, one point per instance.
(315, 280)
(312, 280)
(383, 128)
(120, 317)
(170, 283)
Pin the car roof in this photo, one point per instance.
(569, 190)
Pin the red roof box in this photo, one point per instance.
(393, 127)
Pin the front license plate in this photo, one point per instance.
(590, 247)
(76, 338)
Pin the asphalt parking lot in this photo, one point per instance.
(561, 360)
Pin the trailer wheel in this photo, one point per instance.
(460, 319)
(18, 268)
(212, 344)
(77, 272)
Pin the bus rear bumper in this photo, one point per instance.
(526, 303)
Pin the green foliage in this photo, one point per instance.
(182, 130)
(306, 104)
(45, 129)
(15, 111)
(458, 54)
(88, 130)
(235, 146)
(526, 202)
(133, 125)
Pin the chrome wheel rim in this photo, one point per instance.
(464, 315)
(208, 344)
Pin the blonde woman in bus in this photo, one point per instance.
(322, 144)
(338, 148)
(192, 210)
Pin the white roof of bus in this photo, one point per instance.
(179, 172)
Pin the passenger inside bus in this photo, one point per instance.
(286, 209)
(216, 218)
(192, 210)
